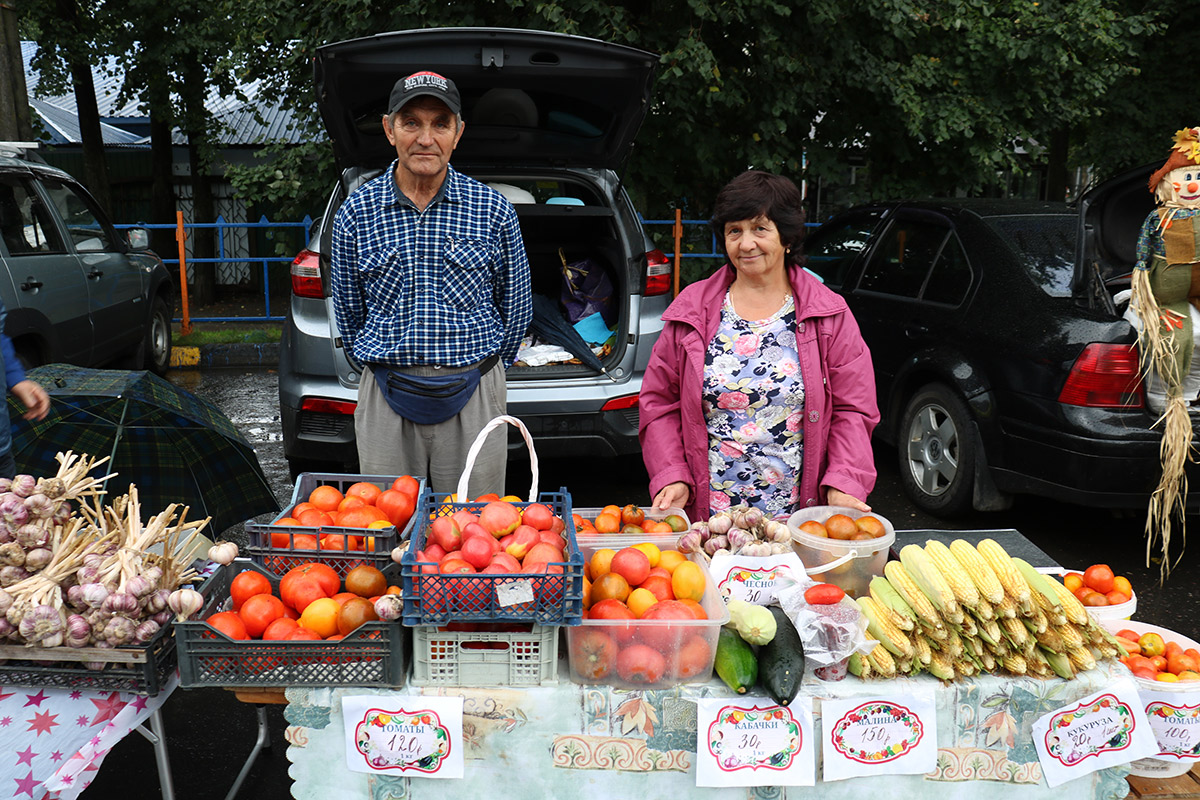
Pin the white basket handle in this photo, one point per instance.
(477, 445)
(837, 562)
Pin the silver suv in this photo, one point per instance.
(75, 289)
(550, 119)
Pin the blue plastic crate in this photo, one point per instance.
(431, 598)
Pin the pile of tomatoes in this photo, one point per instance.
(363, 505)
(1098, 586)
(628, 519)
(312, 603)
(638, 591)
(1150, 657)
(500, 539)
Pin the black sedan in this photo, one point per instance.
(1003, 365)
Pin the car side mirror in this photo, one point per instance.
(139, 238)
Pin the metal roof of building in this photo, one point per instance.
(240, 124)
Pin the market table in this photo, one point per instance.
(572, 740)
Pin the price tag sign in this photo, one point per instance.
(1175, 723)
(412, 736)
(894, 735)
(514, 592)
(751, 741)
(756, 579)
(1099, 731)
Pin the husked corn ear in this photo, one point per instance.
(968, 627)
(941, 666)
(922, 652)
(1015, 664)
(900, 612)
(904, 585)
(1075, 611)
(859, 665)
(930, 581)
(879, 626)
(984, 610)
(1010, 577)
(956, 577)
(1014, 631)
(1006, 608)
(954, 645)
(988, 661)
(1044, 593)
(989, 631)
(1050, 640)
(1039, 620)
(1071, 636)
(1059, 662)
(882, 662)
(963, 668)
(1081, 659)
(981, 574)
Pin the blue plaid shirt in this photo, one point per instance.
(448, 285)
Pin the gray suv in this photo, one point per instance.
(550, 120)
(75, 289)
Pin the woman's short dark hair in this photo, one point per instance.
(755, 193)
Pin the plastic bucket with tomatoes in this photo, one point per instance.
(645, 653)
(1165, 765)
(849, 564)
(1111, 613)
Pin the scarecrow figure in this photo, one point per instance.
(1166, 296)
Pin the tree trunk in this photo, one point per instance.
(95, 167)
(16, 125)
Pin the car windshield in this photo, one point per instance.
(1046, 245)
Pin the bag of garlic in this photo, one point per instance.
(751, 556)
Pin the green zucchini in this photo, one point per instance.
(781, 660)
(735, 661)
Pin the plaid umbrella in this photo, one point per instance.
(174, 446)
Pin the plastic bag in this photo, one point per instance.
(830, 633)
(586, 290)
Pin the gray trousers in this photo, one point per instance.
(389, 444)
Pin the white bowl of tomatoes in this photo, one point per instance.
(1107, 596)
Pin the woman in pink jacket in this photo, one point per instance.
(760, 389)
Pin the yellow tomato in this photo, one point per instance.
(670, 559)
(1166, 677)
(321, 616)
(601, 561)
(652, 552)
(639, 601)
(687, 581)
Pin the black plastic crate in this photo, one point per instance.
(137, 669)
(271, 546)
(431, 598)
(371, 655)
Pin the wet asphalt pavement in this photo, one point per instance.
(210, 733)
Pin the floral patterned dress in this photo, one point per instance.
(754, 403)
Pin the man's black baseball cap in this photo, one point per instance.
(428, 84)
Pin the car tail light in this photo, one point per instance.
(658, 273)
(621, 403)
(324, 405)
(1104, 376)
(306, 275)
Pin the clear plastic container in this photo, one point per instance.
(849, 564)
(642, 653)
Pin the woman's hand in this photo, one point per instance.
(836, 497)
(673, 495)
(33, 397)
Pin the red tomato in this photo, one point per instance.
(1099, 577)
(260, 611)
(694, 659)
(823, 594)
(229, 623)
(639, 663)
(593, 653)
(246, 584)
(407, 484)
(303, 634)
(614, 609)
(279, 629)
(398, 506)
(665, 637)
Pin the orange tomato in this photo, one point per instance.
(316, 518)
(368, 491)
(321, 616)
(688, 582)
(259, 611)
(229, 623)
(304, 541)
(1121, 584)
(670, 559)
(286, 521)
(326, 498)
(361, 517)
(1181, 662)
(1099, 577)
(1073, 580)
(300, 508)
(397, 505)
(245, 585)
(408, 485)
(607, 523)
(600, 561)
(351, 501)
(610, 586)
(640, 600)
(1115, 598)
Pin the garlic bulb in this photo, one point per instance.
(186, 603)
(389, 607)
(223, 553)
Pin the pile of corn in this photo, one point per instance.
(960, 610)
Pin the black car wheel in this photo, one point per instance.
(937, 451)
(157, 346)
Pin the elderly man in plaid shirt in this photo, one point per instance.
(431, 292)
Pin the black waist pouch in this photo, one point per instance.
(429, 399)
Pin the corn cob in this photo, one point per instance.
(1014, 631)
(931, 583)
(860, 666)
(1010, 577)
(954, 645)
(921, 650)
(1050, 640)
(956, 576)
(1081, 658)
(988, 661)
(940, 666)
(964, 668)
(1075, 611)
(977, 567)
(1039, 620)
(904, 585)
(1061, 663)
(882, 662)
(968, 626)
(879, 626)
(1006, 608)
(1070, 635)
(1015, 663)
(984, 611)
(901, 613)
(907, 666)
(990, 632)
(1040, 585)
